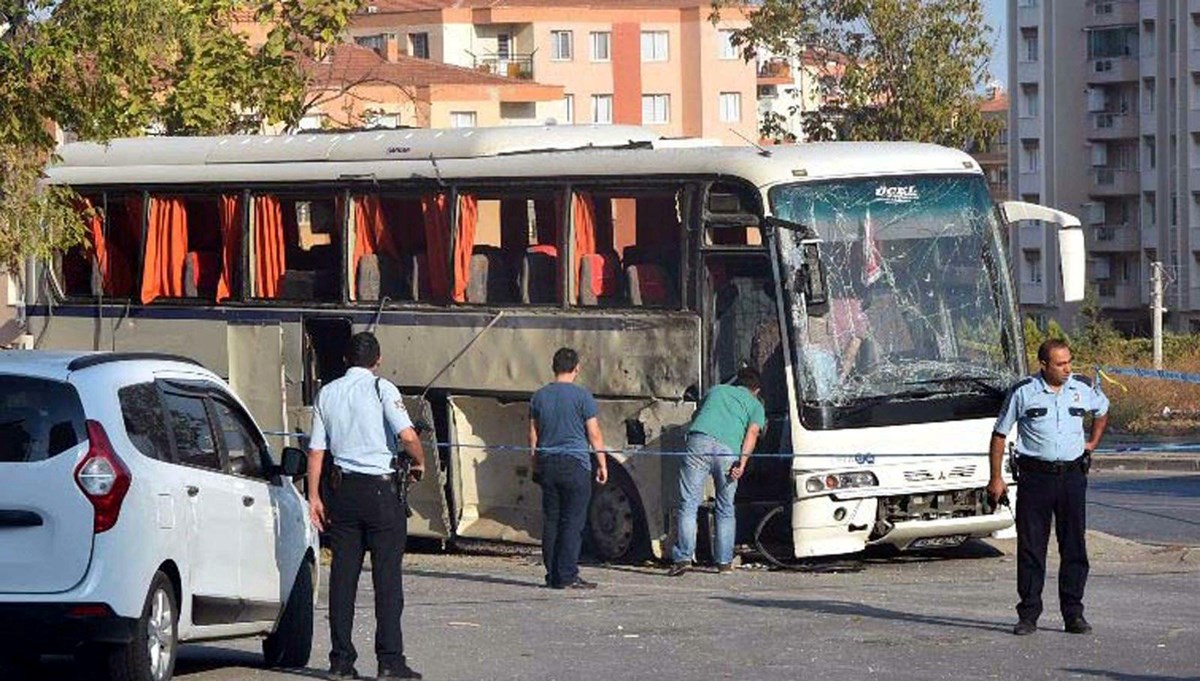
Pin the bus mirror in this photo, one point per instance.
(1071, 251)
(810, 279)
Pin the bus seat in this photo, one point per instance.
(309, 285)
(539, 275)
(416, 278)
(491, 278)
(378, 276)
(649, 285)
(201, 271)
(598, 277)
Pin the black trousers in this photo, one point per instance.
(1043, 496)
(365, 514)
(566, 491)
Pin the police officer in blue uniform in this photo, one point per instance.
(1053, 456)
(359, 418)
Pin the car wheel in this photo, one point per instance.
(290, 645)
(151, 655)
(616, 524)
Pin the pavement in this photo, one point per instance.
(1146, 461)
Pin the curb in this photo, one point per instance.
(1146, 462)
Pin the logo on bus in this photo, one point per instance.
(864, 458)
(399, 150)
(897, 194)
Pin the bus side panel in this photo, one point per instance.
(203, 340)
(256, 373)
(427, 498)
(497, 498)
(622, 354)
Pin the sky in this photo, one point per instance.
(996, 15)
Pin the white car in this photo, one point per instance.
(139, 508)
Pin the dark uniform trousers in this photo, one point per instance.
(1061, 495)
(566, 491)
(365, 514)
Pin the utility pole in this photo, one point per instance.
(1156, 310)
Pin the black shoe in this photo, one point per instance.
(342, 673)
(1077, 625)
(1024, 628)
(579, 583)
(678, 569)
(404, 672)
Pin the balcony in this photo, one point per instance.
(1031, 293)
(1113, 294)
(1029, 13)
(1114, 182)
(1031, 235)
(519, 66)
(1029, 71)
(1029, 128)
(1119, 69)
(775, 72)
(1102, 13)
(1109, 125)
(1194, 60)
(1115, 238)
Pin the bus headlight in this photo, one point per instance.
(832, 481)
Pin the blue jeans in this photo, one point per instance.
(566, 491)
(706, 456)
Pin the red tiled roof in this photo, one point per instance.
(994, 104)
(349, 63)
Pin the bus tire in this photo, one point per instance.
(616, 522)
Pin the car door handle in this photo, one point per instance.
(247, 501)
(192, 490)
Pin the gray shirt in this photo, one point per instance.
(357, 424)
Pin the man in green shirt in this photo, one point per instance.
(728, 422)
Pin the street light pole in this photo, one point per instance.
(1156, 310)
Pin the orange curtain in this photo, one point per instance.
(268, 247)
(584, 214)
(231, 244)
(166, 249)
(371, 234)
(96, 247)
(436, 211)
(468, 217)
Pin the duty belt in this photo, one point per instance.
(1032, 463)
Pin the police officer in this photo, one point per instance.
(1052, 464)
(358, 419)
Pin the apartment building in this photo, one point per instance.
(1105, 123)
(789, 88)
(992, 154)
(658, 63)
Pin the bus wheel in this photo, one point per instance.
(616, 523)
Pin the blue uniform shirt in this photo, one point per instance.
(357, 424)
(1050, 424)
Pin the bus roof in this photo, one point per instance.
(481, 153)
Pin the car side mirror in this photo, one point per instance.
(295, 462)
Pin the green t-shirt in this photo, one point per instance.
(725, 414)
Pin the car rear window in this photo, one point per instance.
(39, 419)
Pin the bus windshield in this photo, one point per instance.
(918, 301)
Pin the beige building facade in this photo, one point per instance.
(658, 63)
(1105, 123)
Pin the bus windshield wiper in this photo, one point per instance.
(977, 382)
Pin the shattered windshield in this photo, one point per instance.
(915, 306)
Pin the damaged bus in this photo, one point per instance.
(867, 282)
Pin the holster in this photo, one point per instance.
(331, 477)
(1086, 464)
(402, 464)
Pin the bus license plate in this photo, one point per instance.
(938, 542)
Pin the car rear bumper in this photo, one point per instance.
(59, 627)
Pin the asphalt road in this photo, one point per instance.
(1153, 507)
(936, 616)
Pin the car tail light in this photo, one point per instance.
(103, 478)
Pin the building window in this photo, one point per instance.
(560, 46)
(1033, 265)
(656, 109)
(1151, 152)
(1029, 101)
(420, 45)
(602, 109)
(601, 46)
(725, 41)
(655, 46)
(379, 119)
(503, 46)
(731, 107)
(569, 104)
(1108, 43)
(372, 42)
(1029, 44)
(1032, 153)
(462, 119)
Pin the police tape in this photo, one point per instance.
(1177, 376)
(858, 457)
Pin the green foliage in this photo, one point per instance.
(110, 68)
(894, 69)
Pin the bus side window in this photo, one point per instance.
(388, 249)
(296, 242)
(193, 248)
(627, 248)
(512, 247)
(105, 264)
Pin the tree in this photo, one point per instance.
(887, 69)
(109, 68)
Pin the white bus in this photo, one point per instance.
(866, 281)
